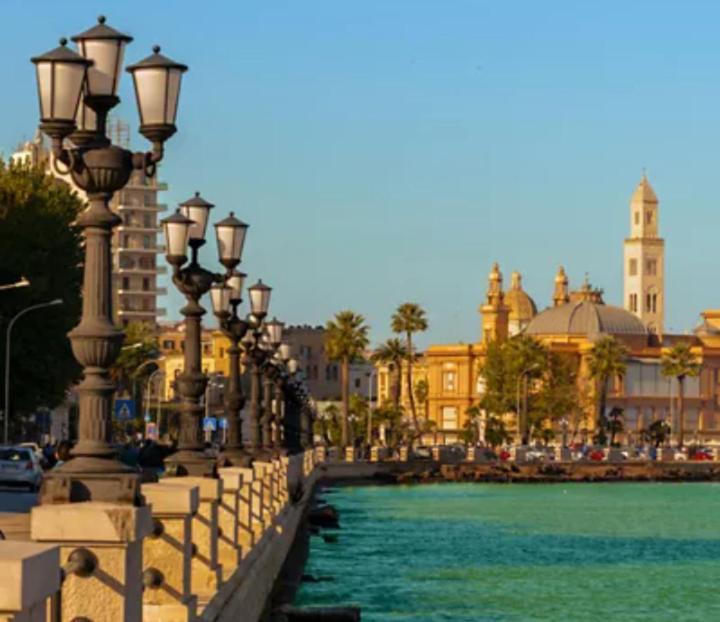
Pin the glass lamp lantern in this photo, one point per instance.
(105, 46)
(220, 296)
(157, 88)
(230, 233)
(259, 299)
(235, 282)
(274, 331)
(60, 74)
(292, 366)
(284, 352)
(177, 232)
(197, 209)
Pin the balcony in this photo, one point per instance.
(138, 228)
(157, 248)
(140, 271)
(158, 291)
(130, 313)
(140, 207)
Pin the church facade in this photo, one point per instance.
(573, 321)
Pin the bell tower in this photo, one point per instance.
(644, 260)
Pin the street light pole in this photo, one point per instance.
(8, 337)
(76, 92)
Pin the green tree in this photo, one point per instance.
(471, 429)
(345, 341)
(408, 319)
(496, 433)
(39, 241)
(392, 353)
(137, 359)
(557, 393)
(657, 433)
(607, 361)
(680, 363)
(616, 423)
(422, 391)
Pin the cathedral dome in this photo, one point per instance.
(586, 318)
(522, 307)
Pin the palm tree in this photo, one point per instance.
(680, 362)
(607, 361)
(392, 353)
(408, 319)
(345, 341)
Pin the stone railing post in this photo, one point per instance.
(263, 472)
(229, 547)
(110, 537)
(471, 453)
(404, 454)
(436, 453)
(248, 529)
(168, 551)
(320, 454)
(349, 454)
(29, 576)
(206, 573)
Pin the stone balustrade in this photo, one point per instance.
(200, 549)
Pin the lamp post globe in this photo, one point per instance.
(230, 234)
(197, 209)
(259, 299)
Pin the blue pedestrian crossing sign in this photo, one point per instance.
(210, 424)
(124, 410)
(223, 423)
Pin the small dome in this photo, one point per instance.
(522, 307)
(586, 318)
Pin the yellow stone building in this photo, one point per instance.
(570, 325)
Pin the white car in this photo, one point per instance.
(20, 466)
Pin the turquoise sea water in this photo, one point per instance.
(501, 553)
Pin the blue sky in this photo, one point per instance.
(391, 150)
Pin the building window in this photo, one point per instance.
(357, 383)
(126, 283)
(637, 218)
(651, 267)
(633, 303)
(449, 381)
(632, 267)
(653, 301)
(146, 285)
(449, 418)
(648, 218)
(168, 345)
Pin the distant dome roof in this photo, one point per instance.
(522, 307)
(585, 318)
(705, 329)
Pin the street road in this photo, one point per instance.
(16, 500)
(15, 507)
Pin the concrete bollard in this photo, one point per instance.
(169, 550)
(249, 528)
(113, 535)
(30, 575)
(229, 547)
(349, 454)
(206, 572)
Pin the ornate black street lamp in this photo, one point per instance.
(226, 298)
(76, 92)
(254, 348)
(271, 376)
(187, 226)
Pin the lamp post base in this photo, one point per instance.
(92, 479)
(190, 462)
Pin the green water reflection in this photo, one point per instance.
(474, 552)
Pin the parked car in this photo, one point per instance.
(20, 466)
(423, 452)
(702, 454)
